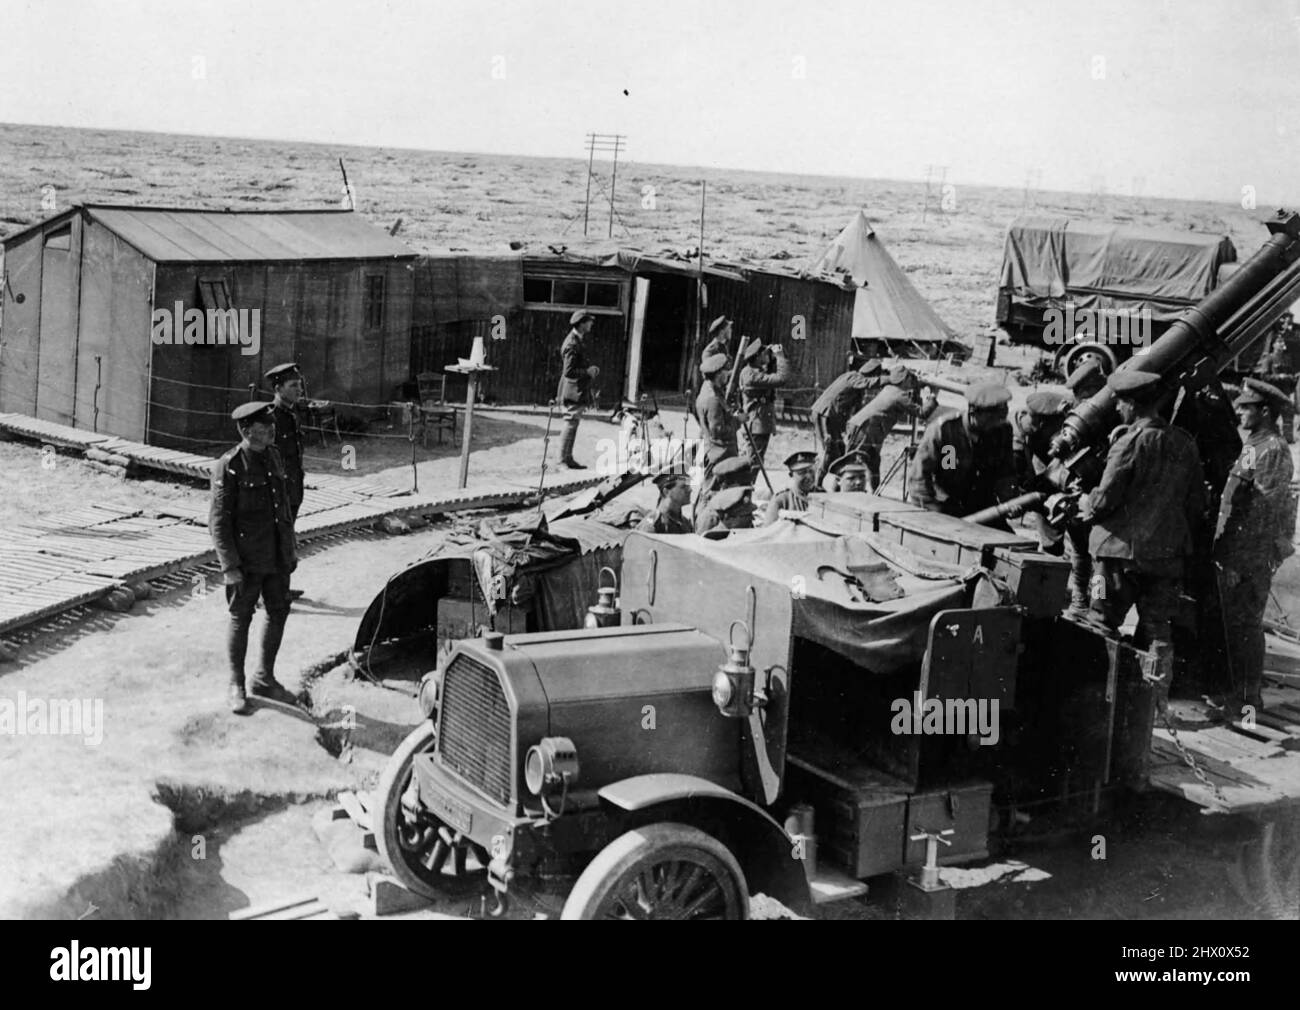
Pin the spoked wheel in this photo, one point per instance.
(662, 871)
(419, 851)
(1078, 355)
(1267, 873)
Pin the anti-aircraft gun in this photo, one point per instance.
(1187, 358)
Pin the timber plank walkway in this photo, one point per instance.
(58, 562)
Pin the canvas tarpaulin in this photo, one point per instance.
(883, 626)
(1049, 260)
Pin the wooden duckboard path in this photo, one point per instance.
(58, 562)
(1256, 769)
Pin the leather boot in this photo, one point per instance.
(236, 649)
(566, 445)
(264, 684)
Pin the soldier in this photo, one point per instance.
(1254, 534)
(674, 492)
(850, 472)
(870, 426)
(1032, 432)
(576, 377)
(1144, 514)
(715, 418)
(719, 340)
(964, 461)
(838, 402)
(286, 383)
(802, 467)
(1086, 381)
(1275, 368)
(765, 370)
(729, 509)
(251, 523)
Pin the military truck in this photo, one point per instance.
(790, 710)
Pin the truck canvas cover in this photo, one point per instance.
(1051, 260)
(880, 622)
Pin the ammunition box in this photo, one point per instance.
(1040, 581)
(964, 809)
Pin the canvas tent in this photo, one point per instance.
(886, 305)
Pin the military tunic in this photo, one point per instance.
(575, 380)
(957, 473)
(249, 517)
(719, 426)
(791, 500)
(288, 443)
(1253, 535)
(660, 521)
(1144, 513)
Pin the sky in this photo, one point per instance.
(1182, 98)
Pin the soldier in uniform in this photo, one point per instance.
(1254, 534)
(850, 472)
(1144, 514)
(251, 523)
(718, 422)
(802, 467)
(964, 461)
(870, 426)
(674, 492)
(838, 402)
(1275, 368)
(765, 370)
(719, 340)
(286, 383)
(729, 509)
(1032, 432)
(576, 377)
(1086, 381)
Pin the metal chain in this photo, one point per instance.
(1163, 709)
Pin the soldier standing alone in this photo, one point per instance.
(1254, 534)
(286, 382)
(251, 524)
(576, 377)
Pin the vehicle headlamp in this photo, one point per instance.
(551, 766)
(428, 696)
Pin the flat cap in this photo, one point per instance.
(1047, 403)
(579, 316)
(988, 395)
(1134, 385)
(870, 367)
(728, 498)
(848, 462)
(282, 373)
(713, 363)
(258, 410)
(716, 326)
(1088, 371)
(1259, 391)
(730, 467)
(800, 460)
(751, 348)
(665, 480)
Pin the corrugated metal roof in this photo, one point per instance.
(215, 236)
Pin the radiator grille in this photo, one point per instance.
(474, 738)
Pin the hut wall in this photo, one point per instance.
(112, 392)
(21, 325)
(56, 366)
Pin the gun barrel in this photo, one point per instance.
(1011, 509)
(1224, 323)
(946, 384)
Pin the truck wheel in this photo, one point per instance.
(661, 871)
(410, 853)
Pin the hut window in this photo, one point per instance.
(213, 294)
(59, 238)
(563, 294)
(374, 305)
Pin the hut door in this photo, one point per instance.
(57, 368)
(640, 294)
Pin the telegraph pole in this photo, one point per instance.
(611, 143)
